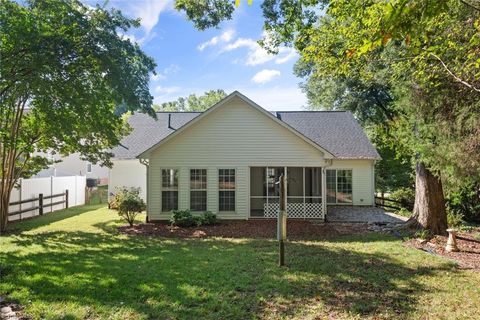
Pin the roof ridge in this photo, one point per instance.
(178, 111)
(311, 111)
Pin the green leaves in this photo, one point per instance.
(193, 102)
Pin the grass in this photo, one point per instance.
(72, 264)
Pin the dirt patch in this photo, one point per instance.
(262, 228)
(467, 258)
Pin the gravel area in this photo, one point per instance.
(365, 214)
(258, 228)
(468, 257)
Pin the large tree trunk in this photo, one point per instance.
(4, 201)
(429, 210)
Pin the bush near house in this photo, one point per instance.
(184, 218)
(128, 203)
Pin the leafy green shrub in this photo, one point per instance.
(404, 212)
(465, 200)
(128, 203)
(423, 234)
(209, 218)
(454, 219)
(406, 197)
(184, 218)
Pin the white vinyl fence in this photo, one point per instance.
(53, 195)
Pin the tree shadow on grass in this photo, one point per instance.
(211, 278)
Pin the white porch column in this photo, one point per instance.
(324, 192)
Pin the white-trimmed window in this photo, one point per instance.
(198, 189)
(226, 190)
(339, 186)
(169, 190)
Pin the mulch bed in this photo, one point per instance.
(261, 229)
(467, 258)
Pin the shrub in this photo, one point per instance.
(209, 218)
(404, 212)
(406, 197)
(454, 219)
(128, 203)
(184, 218)
(465, 200)
(423, 234)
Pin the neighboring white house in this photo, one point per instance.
(73, 165)
(228, 159)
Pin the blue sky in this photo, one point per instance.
(192, 61)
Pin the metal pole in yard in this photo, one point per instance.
(282, 222)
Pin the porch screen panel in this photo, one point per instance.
(258, 190)
(273, 175)
(198, 189)
(226, 190)
(169, 190)
(313, 185)
(295, 182)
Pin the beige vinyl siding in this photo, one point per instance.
(235, 136)
(212, 189)
(362, 179)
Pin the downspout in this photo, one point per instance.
(328, 163)
(146, 164)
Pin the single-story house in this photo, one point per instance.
(228, 159)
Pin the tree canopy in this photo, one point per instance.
(193, 102)
(66, 70)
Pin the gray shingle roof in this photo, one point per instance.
(337, 132)
(148, 131)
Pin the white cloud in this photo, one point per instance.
(226, 36)
(285, 54)
(257, 55)
(162, 75)
(265, 76)
(166, 90)
(147, 10)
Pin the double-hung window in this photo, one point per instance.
(198, 189)
(339, 186)
(226, 190)
(169, 190)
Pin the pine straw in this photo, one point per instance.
(467, 258)
(257, 229)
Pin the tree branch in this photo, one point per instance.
(458, 79)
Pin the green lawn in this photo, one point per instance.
(73, 265)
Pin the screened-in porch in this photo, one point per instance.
(309, 190)
(304, 192)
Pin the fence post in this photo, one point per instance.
(40, 204)
(66, 199)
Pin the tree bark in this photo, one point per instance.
(4, 201)
(429, 210)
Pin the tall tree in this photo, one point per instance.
(428, 51)
(65, 70)
(193, 102)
